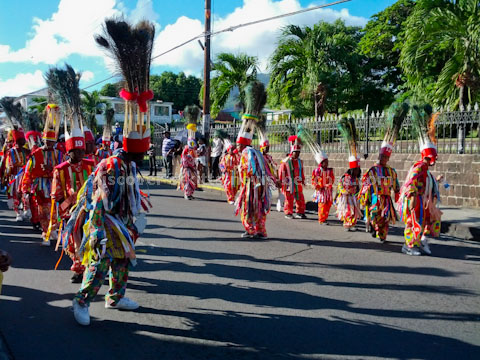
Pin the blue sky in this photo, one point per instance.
(34, 37)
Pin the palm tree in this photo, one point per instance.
(445, 35)
(92, 105)
(313, 65)
(232, 71)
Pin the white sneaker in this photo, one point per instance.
(231, 202)
(353, 228)
(45, 242)
(424, 246)
(19, 218)
(27, 215)
(81, 313)
(124, 304)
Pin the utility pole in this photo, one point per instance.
(206, 72)
(206, 82)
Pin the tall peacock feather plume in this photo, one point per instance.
(349, 133)
(255, 100)
(395, 116)
(64, 86)
(308, 138)
(107, 129)
(424, 124)
(13, 111)
(131, 46)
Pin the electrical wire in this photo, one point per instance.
(229, 29)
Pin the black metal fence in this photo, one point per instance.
(457, 132)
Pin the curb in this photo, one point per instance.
(449, 228)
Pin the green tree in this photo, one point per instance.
(92, 105)
(178, 88)
(110, 90)
(319, 69)
(40, 103)
(441, 55)
(231, 72)
(383, 40)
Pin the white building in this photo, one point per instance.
(160, 111)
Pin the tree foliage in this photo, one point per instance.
(383, 39)
(231, 71)
(319, 69)
(178, 88)
(92, 105)
(441, 55)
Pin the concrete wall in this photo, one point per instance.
(462, 172)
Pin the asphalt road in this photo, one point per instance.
(205, 293)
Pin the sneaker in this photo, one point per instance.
(353, 228)
(190, 198)
(76, 278)
(247, 235)
(124, 304)
(289, 216)
(410, 251)
(231, 202)
(45, 242)
(424, 247)
(347, 229)
(19, 218)
(325, 223)
(81, 313)
(261, 236)
(300, 216)
(27, 215)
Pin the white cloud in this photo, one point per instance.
(23, 83)
(256, 40)
(71, 30)
(87, 76)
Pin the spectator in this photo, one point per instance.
(152, 158)
(168, 147)
(217, 149)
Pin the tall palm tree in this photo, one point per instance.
(92, 105)
(231, 71)
(445, 34)
(314, 65)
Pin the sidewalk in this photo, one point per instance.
(462, 223)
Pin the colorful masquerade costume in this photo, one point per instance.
(254, 197)
(115, 194)
(348, 209)
(109, 203)
(379, 181)
(291, 176)
(103, 153)
(16, 159)
(346, 201)
(419, 194)
(37, 181)
(229, 168)
(188, 170)
(322, 182)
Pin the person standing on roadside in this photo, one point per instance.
(217, 149)
(168, 146)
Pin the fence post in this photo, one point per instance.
(367, 130)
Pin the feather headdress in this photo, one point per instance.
(14, 114)
(131, 47)
(255, 100)
(64, 86)
(107, 129)
(349, 133)
(309, 140)
(424, 123)
(395, 116)
(262, 133)
(191, 113)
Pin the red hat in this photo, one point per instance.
(353, 162)
(245, 135)
(295, 143)
(18, 134)
(136, 143)
(386, 148)
(429, 150)
(75, 140)
(88, 134)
